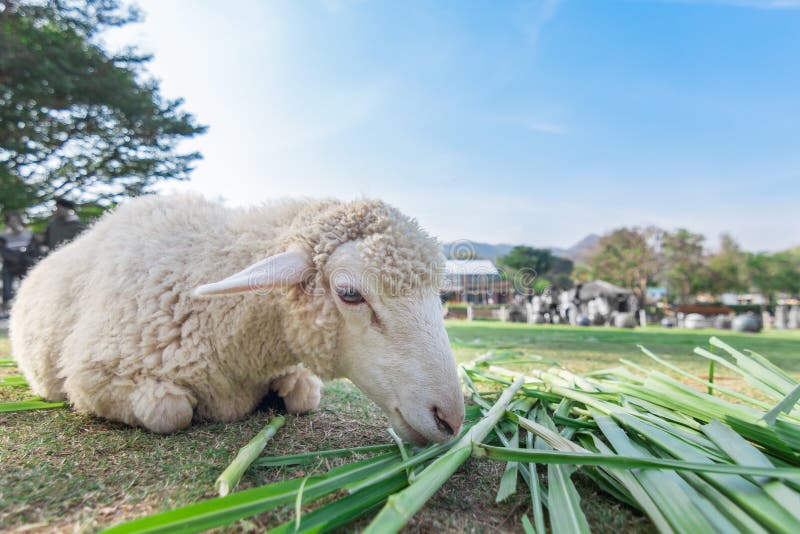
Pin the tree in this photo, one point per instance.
(684, 268)
(560, 273)
(581, 274)
(536, 268)
(728, 268)
(75, 120)
(774, 273)
(521, 257)
(626, 258)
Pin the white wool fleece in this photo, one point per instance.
(109, 323)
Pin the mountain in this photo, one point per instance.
(579, 252)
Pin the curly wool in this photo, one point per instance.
(108, 321)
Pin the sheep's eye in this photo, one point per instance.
(350, 296)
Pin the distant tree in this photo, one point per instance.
(626, 257)
(521, 257)
(728, 268)
(684, 270)
(774, 273)
(76, 120)
(560, 273)
(536, 268)
(581, 273)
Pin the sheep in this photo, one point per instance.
(123, 322)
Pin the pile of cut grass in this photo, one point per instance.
(691, 460)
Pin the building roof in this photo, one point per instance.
(601, 288)
(470, 267)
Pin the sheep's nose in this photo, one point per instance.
(447, 423)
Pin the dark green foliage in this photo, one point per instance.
(76, 120)
(734, 270)
(536, 268)
(630, 258)
(685, 270)
(727, 268)
(537, 259)
(774, 273)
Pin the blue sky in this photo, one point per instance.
(522, 122)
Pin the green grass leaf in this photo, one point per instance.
(626, 462)
(784, 406)
(30, 404)
(309, 457)
(225, 510)
(401, 506)
(342, 511)
(508, 482)
(15, 381)
(229, 478)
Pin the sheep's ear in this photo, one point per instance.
(284, 269)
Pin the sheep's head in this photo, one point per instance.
(393, 345)
(382, 277)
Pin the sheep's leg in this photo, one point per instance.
(162, 407)
(300, 389)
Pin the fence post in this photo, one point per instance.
(469, 312)
(766, 320)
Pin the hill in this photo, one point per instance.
(480, 250)
(579, 252)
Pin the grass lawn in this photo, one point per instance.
(66, 472)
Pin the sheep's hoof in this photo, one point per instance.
(301, 390)
(162, 408)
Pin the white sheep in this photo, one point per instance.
(113, 323)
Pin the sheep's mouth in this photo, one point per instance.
(408, 430)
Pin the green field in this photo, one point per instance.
(64, 471)
(584, 349)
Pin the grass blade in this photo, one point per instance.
(339, 513)
(743, 452)
(755, 364)
(30, 404)
(231, 476)
(225, 510)
(508, 482)
(15, 381)
(784, 406)
(740, 490)
(536, 491)
(526, 525)
(564, 507)
(710, 385)
(309, 457)
(403, 505)
(635, 484)
(625, 462)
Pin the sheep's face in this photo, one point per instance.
(395, 348)
(392, 346)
